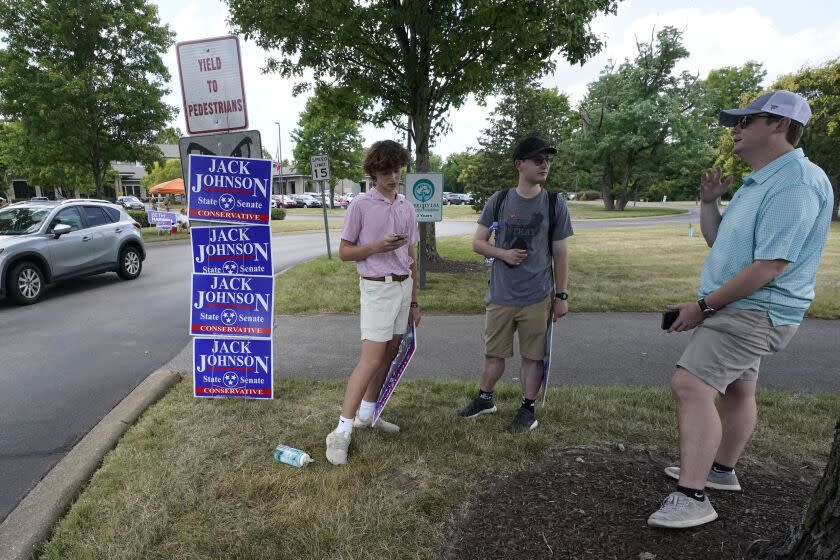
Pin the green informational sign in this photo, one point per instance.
(425, 192)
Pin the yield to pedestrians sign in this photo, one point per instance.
(226, 189)
(211, 85)
(425, 192)
(232, 368)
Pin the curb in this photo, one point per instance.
(30, 523)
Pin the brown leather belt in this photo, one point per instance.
(393, 277)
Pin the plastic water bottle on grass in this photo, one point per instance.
(291, 456)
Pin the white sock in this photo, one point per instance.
(344, 425)
(366, 410)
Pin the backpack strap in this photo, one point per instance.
(552, 211)
(497, 207)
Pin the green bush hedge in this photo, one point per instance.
(140, 217)
(278, 213)
(588, 195)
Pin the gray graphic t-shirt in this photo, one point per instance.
(523, 224)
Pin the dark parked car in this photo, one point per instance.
(42, 242)
(130, 203)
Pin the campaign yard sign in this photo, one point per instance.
(156, 217)
(241, 306)
(232, 250)
(408, 345)
(232, 368)
(228, 189)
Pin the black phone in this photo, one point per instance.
(669, 317)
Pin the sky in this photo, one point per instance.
(783, 36)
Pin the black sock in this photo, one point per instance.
(717, 467)
(698, 495)
(485, 395)
(528, 403)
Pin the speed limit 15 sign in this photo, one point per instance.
(320, 168)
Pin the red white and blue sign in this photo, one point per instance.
(232, 368)
(232, 305)
(227, 189)
(408, 345)
(232, 250)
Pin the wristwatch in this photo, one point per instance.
(561, 295)
(704, 307)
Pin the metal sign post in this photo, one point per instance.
(321, 173)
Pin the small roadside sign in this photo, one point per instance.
(232, 368)
(425, 192)
(212, 87)
(320, 168)
(233, 190)
(241, 306)
(157, 217)
(232, 250)
(408, 346)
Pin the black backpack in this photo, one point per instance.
(552, 210)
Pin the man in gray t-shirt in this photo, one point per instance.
(522, 278)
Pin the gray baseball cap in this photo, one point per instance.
(781, 102)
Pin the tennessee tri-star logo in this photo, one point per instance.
(230, 379)
(230, 267)
(227, 202)
(229, 317)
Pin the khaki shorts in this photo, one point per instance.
(531, 322)
(729, 345)
(384, 308)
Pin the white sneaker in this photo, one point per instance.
(678, 511)
(337, 445)
(381, 424)
(715, 480)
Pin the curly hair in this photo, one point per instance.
(385, 155)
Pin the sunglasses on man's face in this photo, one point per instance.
(745, 121)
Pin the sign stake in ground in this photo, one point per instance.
(321, 172)
(212, 87)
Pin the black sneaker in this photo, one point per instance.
(523, 421)
(478, 406)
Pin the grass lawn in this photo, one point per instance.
(579, 211)
(194, 478)
(315, 224)
(315, 212)
(628, 269)
(152, 235)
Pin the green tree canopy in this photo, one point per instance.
(641, 124)
(525, 110)
(85, 79)
(324, 128)
(452, 168)
(416, 58)
(171, 169)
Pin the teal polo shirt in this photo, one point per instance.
(782, 211)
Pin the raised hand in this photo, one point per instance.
(713, 184)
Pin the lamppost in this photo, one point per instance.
(280, 159)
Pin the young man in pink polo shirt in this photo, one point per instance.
(380, 230)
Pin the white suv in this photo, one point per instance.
(45, 241)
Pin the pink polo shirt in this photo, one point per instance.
(370, 217)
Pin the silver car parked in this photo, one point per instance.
(42, 242)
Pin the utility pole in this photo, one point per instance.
(280, 159)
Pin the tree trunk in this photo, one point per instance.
(606, 192)
(834, 216)
(818, 535)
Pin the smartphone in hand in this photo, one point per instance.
(669, 317)
(400, 235)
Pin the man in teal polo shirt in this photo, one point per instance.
(756, 284)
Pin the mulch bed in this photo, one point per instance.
(455, 267)
(593, 503)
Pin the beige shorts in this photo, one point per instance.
(384, 308)
(729, 345)
(531, 322)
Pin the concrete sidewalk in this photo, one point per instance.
(596, 349)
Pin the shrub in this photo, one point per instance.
(588, 195)
(140, 217)
(278, 213)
